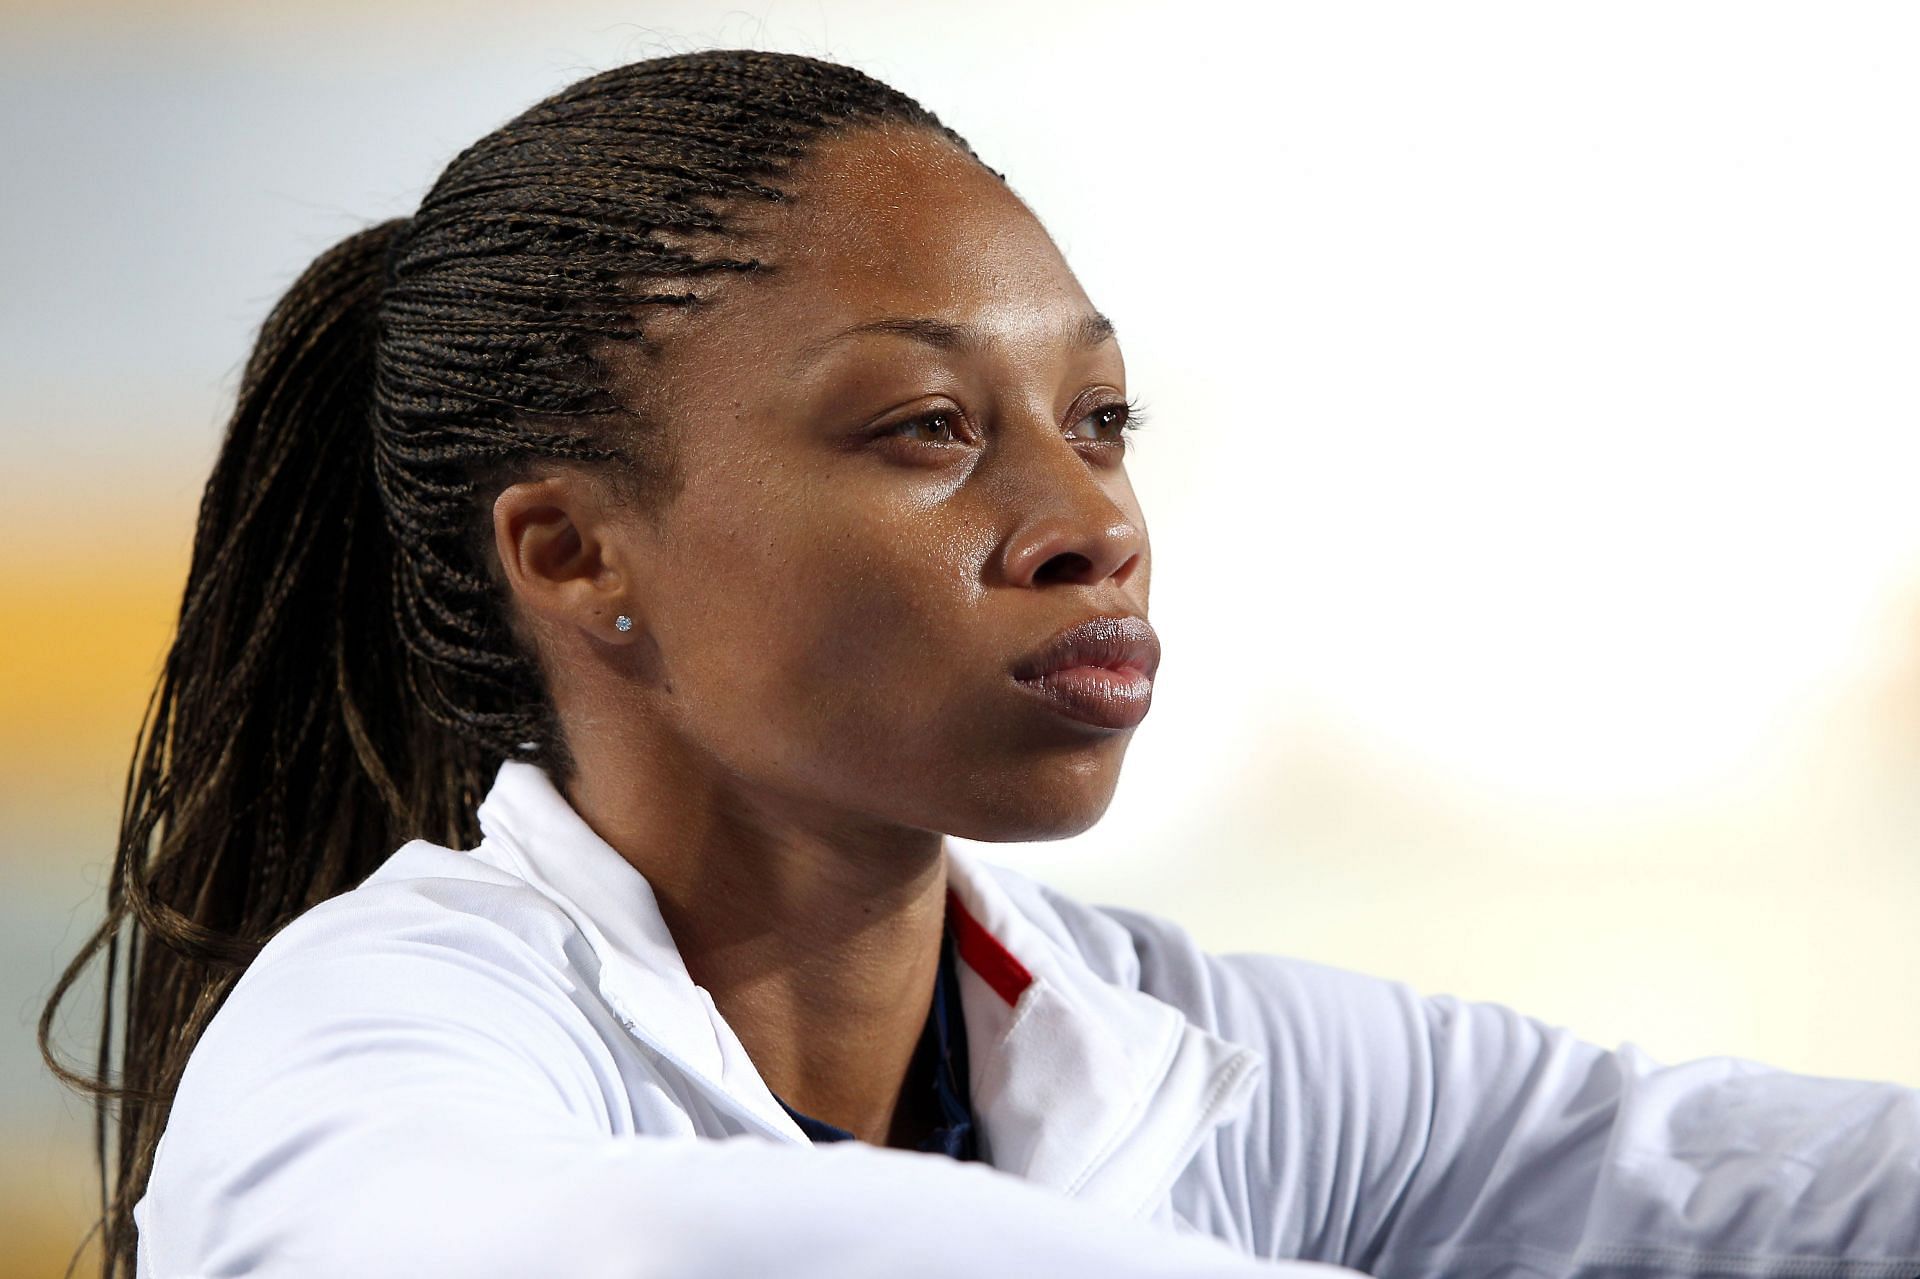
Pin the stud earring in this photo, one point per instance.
(623, 623)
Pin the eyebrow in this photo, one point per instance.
(1089, 330)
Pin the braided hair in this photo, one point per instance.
(345, 672)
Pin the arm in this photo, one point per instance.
(1411, 1136)
(418, 1109)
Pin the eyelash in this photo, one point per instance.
(1132, 419)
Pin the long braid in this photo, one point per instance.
(344, 674)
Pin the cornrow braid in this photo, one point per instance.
(345, 674)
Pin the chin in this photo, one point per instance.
(1030, 809)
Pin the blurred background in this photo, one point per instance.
(1531, 465)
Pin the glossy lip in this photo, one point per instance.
(1099, 671)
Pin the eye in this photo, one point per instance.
(938, 427)
(1105, 423)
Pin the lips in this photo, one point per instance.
(1117, 642)
(1099, 672)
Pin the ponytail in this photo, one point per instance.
(263, 782)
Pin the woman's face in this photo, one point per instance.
(872, 530)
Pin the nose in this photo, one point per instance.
(1070, 529)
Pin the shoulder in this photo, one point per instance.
(1347, 1061)
(441, 996)
(443, 955)
(437, 964)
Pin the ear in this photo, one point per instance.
(560, 551)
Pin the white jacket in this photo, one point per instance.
(493, 1063)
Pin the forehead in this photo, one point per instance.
(896, 222)
(903, 210)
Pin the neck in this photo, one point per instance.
(816, 933)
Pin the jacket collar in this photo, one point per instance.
(1098, 1090)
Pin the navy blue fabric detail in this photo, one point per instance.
(816, 1129)
(941, 1054)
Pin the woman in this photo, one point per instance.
(709, 500)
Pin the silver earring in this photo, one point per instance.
(623, 623)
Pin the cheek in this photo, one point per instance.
(811, 641)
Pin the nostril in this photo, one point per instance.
(1068, 566)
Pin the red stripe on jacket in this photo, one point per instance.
(981, 951)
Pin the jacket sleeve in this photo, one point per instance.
(419, 1108)
(1412, 1136)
